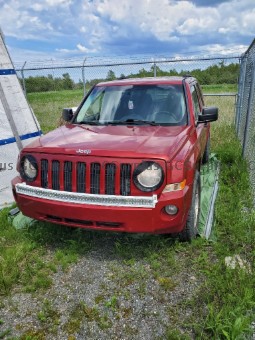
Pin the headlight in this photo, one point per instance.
(148, 176)
(28, 168)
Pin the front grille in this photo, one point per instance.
(110, 171)
(67, 176)
(125, 176)
(81, 177)
(55, 175)
(44, 173)
(94, 178)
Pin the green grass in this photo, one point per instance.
(48, 106)
(82, 312)
(24, 259)
(223, 305)
(229, 294)
(220, 88)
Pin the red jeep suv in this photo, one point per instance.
(127, 160)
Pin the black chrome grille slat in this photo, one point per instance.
(44, 173)
(125, 179)
(68, 176)
(81, 171)
(95, 178)
(55, 175)
(110, 171)
(81, 177)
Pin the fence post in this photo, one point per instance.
(155, 69)
(83, 76)
(241, 86)
(23, 79)
(249, 110)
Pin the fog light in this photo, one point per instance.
(171, 209)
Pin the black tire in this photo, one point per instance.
(190, 230)
(206, 154)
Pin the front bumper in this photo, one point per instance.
(90, 199)
(134, 214)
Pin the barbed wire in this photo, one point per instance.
(87, 61)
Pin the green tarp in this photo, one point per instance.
(209, 184)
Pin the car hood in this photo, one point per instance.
(113, 141)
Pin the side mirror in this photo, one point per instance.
(209, 114)
(67, 114)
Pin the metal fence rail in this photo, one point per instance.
(245, 110)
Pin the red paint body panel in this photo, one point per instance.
(133, 220)
(127, 141)
(177, 149)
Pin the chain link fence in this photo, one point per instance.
(83, 74)
(245, 110)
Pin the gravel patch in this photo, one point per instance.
(103, 296)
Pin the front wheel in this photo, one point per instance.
(190, 230)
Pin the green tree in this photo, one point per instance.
(68, 83)
(110, 75)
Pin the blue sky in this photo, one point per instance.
(61, 29)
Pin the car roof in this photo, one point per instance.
(147, 81)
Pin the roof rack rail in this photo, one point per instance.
(187, 75)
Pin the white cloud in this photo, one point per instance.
(18, 21)
(85, 49)
(19, 55)
(65, 50)
(162, 18)
(83, 29)
(248, 22)
(37, 7)
(59, 2)
(224, 50)
(82, 26)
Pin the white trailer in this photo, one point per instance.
(18, 124)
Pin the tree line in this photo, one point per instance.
(49, 83)
(214, 74)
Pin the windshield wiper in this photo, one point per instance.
(91, 122)
(132, 122)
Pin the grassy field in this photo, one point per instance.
(48, 106)
(223, 305)
(220, 88)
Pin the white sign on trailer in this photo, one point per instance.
(18, 124)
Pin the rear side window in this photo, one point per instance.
(195, 100)
(200, 95)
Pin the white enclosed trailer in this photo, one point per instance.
(18, 124)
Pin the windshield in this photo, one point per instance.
(137, 104)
